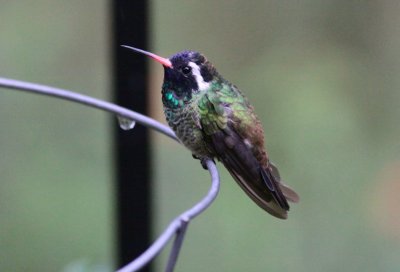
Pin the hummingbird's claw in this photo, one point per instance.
(202, 161)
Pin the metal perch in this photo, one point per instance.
(179, 225)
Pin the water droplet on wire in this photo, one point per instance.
(126, 123)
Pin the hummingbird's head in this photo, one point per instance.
(189, 71)
(185, 73)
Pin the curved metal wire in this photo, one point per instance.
(179, 225)
(88, 101)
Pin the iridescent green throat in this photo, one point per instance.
(175, 98)
(170, 100)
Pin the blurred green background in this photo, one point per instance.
(323, 77)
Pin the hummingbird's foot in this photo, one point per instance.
(202, 161)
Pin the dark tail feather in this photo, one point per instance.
(274, 188)
(288, 192)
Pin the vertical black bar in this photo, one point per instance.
(130, 26)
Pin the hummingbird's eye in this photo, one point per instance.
(186, 70)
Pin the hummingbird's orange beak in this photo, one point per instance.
(164, 61)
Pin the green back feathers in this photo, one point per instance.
(221, 103)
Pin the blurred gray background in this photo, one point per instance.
(323, 77)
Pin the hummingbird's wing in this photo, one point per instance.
(258, 183)
(230, 129)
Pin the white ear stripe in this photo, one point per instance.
(199, 79)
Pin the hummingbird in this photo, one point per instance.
(214, 120)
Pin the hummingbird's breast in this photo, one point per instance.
(185, 123)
